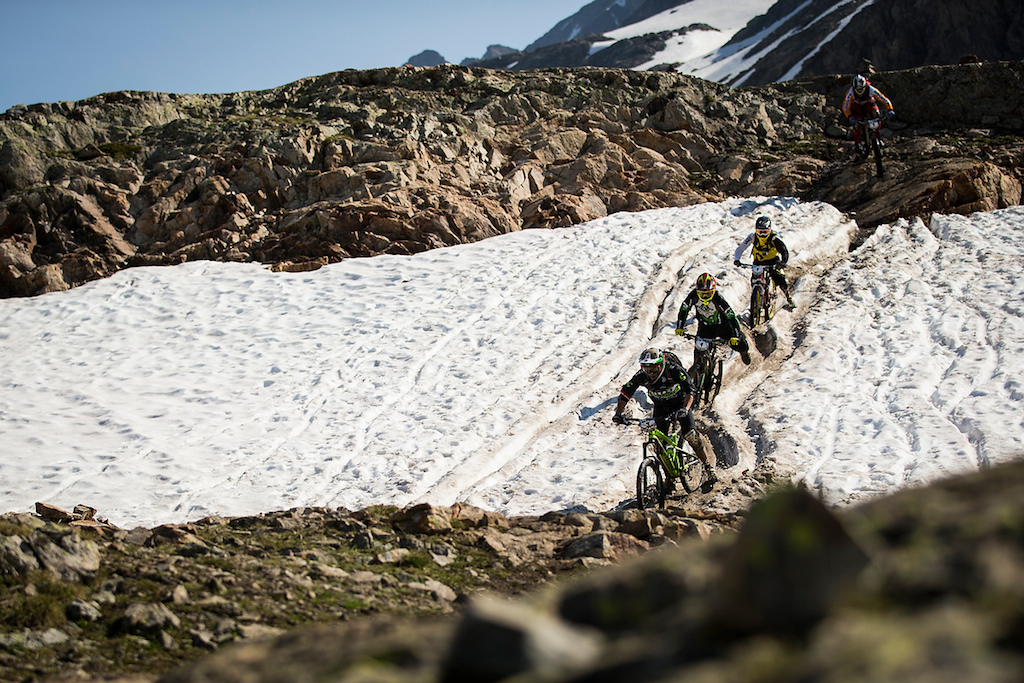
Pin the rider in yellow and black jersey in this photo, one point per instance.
(767, 250)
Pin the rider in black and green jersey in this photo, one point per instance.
(672, 392)
(715, 317)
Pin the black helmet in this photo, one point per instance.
(763, 226)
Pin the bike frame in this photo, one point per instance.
(666, 445)
(706, 352)
(670, 460)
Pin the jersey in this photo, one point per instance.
(716, 314)
(859, 106)
(770, 250)
(671, 386)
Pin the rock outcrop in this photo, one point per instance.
(920, 585)
(95, 601)
(359, 163)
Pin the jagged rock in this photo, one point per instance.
(606, 546)
(57, 551)
(930, 576)
(81, 610)
(422, 519)
(496, 641)
(53, 514)
(409, 159)
(438, 590)
(792, 560)
(147, 619)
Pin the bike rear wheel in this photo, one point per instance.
(692, 475)
(650, 483)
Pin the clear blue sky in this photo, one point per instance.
(55, 50)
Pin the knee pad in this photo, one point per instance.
(693, 438)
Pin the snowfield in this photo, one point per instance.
(487, 372)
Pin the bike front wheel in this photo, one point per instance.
(876, 147)
(756, 306)
(699, 377)
(715, 381)
(650, 484)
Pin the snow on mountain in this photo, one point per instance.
(755, 42)
(595, 18)
(718, 22)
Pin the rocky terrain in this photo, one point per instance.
(918, 585)
(79, 597)
(401, 160)
(921, 585)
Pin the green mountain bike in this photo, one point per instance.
(666, 457)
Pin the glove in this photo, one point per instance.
(736, 262)
(735, 341)
(679, 331)
(854, 121)
(891, 114)
(619, 419)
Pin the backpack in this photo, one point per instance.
(671, 357)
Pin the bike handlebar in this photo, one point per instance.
(713, 340)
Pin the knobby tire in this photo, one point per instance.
(650, 483)
(717, 382)
(699, 372)
(693, 470)
(756, 305)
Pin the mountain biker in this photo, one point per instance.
(715, 317)
(861, 102)
(672, 393)
(768, 249)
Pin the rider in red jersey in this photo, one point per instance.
(861, 102)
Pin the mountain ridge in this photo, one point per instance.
(790, 40)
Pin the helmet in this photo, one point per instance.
(652, 356)
(706, 286)
(763, 226)
(860, 84)
(652, 362)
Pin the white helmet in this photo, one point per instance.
(650, 360)
(860, 84)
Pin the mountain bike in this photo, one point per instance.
(763, 293)
(871, 142)
(706, 373)
(664, 460)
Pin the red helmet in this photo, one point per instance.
(706, 286)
